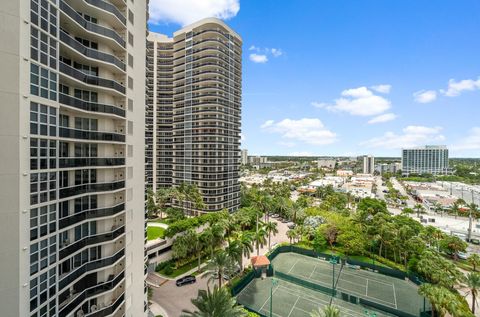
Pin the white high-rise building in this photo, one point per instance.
(368, 164)
(194, 110)
(72, 161)
(429, 159)
(244, 157)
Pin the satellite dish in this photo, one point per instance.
(93, 308)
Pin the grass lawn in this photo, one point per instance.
(155, 232)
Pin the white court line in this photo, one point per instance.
(293, 266)
(394, 295)
(268, 298)
(298, 297)
(366, 289)
(313, 271)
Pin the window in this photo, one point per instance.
(130, 16)
(42, 221)
(86, 124)
(42, 187)
(87, 43)
(130, 82)
(130, 38)
(130, 60)
(43, 82)
(43, 154)
(43, 48)
(43, 119)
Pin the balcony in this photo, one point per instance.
(75, 300)
(90, 161)
(90, 266)
(90, 214)
(90, 79)
(89, 26)
(99, 238)
(90, 106)
(109, 309)
(91, 188)
(90, 52)
(109, 8)
(90, 135)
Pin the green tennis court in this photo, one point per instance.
(385, 290)
(292, 300)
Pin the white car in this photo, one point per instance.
(463, 255)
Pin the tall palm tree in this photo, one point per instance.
(189, 197)
(219, 265)
(271, 228)
(158, 201)
(327, 311)
(419, 208)
(473, 282)
(438, 297)
(260, 238)
(218, 303)
(198, 244)
(474, 260)
(208, 239)
(246, 244)
(234, 251)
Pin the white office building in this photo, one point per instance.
(429, 159)
(368, 164)
(244, 155)
(72, 162)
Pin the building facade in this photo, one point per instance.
(244, 155)
(430, 159)
(195, 101)
(368, 164)
(72, 172)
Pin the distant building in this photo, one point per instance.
(257, 160)
(388, 168)
(344, 173)
(429, 159)
(244, 158)
(368, 164)
(326, 163)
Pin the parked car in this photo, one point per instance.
(285, 221)
(291, 226)
(189, 279)
(462, 255)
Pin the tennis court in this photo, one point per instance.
(378, 288)
(292, 300)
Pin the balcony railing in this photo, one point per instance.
(90, 79)
(90, 52)
(90, 135)
(108, 7)
(99, 238)
(108, 310)
(90, 214)
(90, 161)
(90, 106)
(92, 291)
(72, 276)
(92, 27)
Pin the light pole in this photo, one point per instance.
(333, 260)
(274, 282)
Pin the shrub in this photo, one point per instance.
(168, 270)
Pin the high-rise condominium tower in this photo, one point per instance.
(368, 164)
(72, 117)
(194, 110)
(430, 159)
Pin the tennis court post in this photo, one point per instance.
(274, 282)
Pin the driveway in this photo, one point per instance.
(175, 299)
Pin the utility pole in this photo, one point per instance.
(470, 219)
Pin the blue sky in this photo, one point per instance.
(351, 77)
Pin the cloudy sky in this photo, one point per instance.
(353, 77)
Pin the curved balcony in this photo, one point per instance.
(90, 214)
(90, 188)
(90, 161)
(89, 79)
(109, 8)
(89, 26)
(71, 303)
(90, 266)
(90, 52)
(99, 238)
(90, 106)
(90, 135)
(109, 309)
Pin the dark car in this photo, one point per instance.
(190, 279)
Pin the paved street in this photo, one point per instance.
(175, 299)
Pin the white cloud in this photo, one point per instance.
(320, 105)
(425, 96)
(455, 88)
(470, 142)
(258, 58)
(286, 143)
(358, 102)
(301, 153)
(410, 136)
(383, 118)
(384, 89)
(185, 12)
(307, 130)
(276, 52)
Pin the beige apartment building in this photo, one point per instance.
(72, 114)
(194, 111)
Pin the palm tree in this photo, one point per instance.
(189, 197)
(246, 244)
(271, 228)
(198, 246)
(208, 239)
(474, 260)
(158, 201)
(291, 234)
(419, 208)
(219, 265)
(260, 239)
(473, 283)
(438, 296)
(234, 251)
(327, 311)
(218, 303)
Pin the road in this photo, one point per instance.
(175, 299)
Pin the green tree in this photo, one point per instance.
(473, 283)
(474, 260)
(419, 209)
(260, 238)
(453, 245)
(437, 270)
(246, 244)
(218, 303)
(271, 228)
(439, 297)
(158, 201)
(407, 211)
(234, 251)
(291, 234)
(327, 311)
(220, 265)
(189, 197)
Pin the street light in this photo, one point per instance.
(274, 282)
(333, 260)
